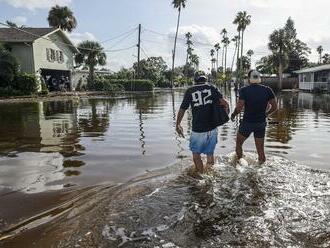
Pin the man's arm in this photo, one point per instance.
(273, 107)
(239, 107)
(179, 129)
(225, 104)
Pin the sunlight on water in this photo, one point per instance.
(279, 204)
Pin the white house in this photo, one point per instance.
(47, 51)
(315, 78)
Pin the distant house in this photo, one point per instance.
(47, 51)
(315, 78)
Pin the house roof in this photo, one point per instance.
(23, 34)
(31, 34)
(314, 69)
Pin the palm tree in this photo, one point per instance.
(320, 51)
(236, 40)
(224, 34)
(225, 42)
(212, 52)
(189, 44)
(279, 45)
(217, 48)
(242, 20)
(249, 54)
(62, 17)
(90, 54)
(195, 61)
(179, 5)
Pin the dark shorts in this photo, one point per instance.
(258, 129)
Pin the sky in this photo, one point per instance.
(114, 23)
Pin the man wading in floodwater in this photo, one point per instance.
(204, 136)
(258, 102)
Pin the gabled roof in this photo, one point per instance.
(314, 69)
(31, 34)
(23, 34)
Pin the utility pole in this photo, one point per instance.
(139, 51)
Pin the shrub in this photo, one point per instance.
(135, 85)
(8, 68)
(9, 91)
(44, 89)
(26, 83)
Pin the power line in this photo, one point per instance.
(64, 43)
(118, 36)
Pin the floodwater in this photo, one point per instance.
(68, 170)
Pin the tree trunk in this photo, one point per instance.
(91, 74)
(226, 59)
(222, 57)
(217, 60)
(174, 49)
(242, 43)
(238, 69)
(280, 76)
(232, 63)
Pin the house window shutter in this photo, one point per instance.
(57, 56)
(48, 54)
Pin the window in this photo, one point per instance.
(61, 57)
(54, 55)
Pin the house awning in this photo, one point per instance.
(313, 69)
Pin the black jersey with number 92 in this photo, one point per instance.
(201, 98)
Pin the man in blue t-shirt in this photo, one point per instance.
(258, 102)
(201, 98)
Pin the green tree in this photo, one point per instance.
(242, 20)
(224, 35)
(217, 48)
(91, 55)
(266, 65)
(245, 62)
(9, 67)
(189, 44)
(298, 51)
(326, 58)
(179, 5)
(226, 43)
(195, 61)
(152, 68)
(279, 45)
(250, 53)
(320, 51)
(212, 52)
(62, 17)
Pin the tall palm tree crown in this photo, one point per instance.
(91, 54)
(62, 17)
(320, 50)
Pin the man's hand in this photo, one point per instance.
(179, 130)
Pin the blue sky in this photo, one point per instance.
(105, 19)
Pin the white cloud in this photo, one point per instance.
(19, 20)
(35, 4)
(79, 37)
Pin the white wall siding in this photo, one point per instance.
(313, 85)
(24, 55)
(40, 47)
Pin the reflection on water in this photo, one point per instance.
(55, 145)
(112, 140)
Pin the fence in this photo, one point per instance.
(287, 83)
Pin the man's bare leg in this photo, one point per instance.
(210, 161)
(239, 145)
(260, 145)
(198, 162)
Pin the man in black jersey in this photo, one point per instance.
(258, 102)
(201, 98)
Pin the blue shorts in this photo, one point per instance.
(204, 142)
(258, 129)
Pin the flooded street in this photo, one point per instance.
(69, 171)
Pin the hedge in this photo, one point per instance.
(112, 85)
(135, 85)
